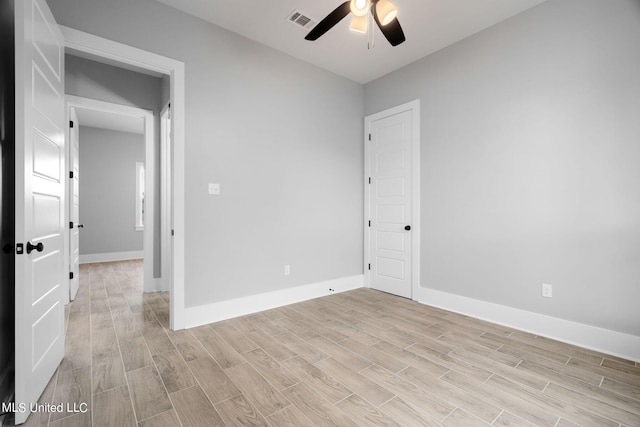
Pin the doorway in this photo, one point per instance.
(131, 121)
(84, 44)
(392, 200)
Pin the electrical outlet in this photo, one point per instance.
(547, 291)
(287, 270)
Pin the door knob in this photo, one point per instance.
(30, 247)
(407, 227)
(80, 225)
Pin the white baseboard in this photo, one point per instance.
(215, 312)
(599, 339)
(111, 256)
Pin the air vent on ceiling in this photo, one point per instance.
(301, 20)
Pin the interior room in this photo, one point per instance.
(436, 222)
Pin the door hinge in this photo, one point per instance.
(71, 123)
(369, 223)
(71, 174)
(172, 232)
(369, 266)
(369, 137)
(71, 275)
(20, 248)
(71, 224)
(369, 180)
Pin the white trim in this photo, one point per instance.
(592, 337)
(414, 107)
(98, 46)
(140, 180)
(111, 256)
(78, 102)
(165, 198)
(215, 312)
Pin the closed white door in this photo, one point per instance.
(390, 209)
(40, 198)
(74, 205)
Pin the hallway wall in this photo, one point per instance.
(107, 191)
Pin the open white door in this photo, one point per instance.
(40, 198)
(74, 205)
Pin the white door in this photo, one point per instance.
(40, 188)
(390, 208)
(74, 205)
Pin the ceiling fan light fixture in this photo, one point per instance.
(360, 7)
(359, 24)
(386, 11)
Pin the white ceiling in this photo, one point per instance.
(110, 121)
(429, 25)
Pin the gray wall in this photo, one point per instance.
(107, 190)
(91, 79)
(283, 138)
(107, 83)
(530, 154)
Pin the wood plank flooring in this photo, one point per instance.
(360, 358)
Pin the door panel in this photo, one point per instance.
(390, 241)
(390, 204)
(45, 39)
(389, 267)
(46, 157)
(40, 196)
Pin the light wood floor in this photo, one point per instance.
(359, 358)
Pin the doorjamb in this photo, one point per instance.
(165, 198)
(150, 284)
(414, 107)
(88, 43)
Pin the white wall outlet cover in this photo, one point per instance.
(547, 290)
(214, 189)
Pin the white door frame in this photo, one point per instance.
(414, 108)
(166, 213)
(93, 45)
(71, 154)
(150, 283)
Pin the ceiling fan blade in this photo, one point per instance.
(392, 31)
(329, 21)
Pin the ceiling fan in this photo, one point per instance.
(383, 11)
